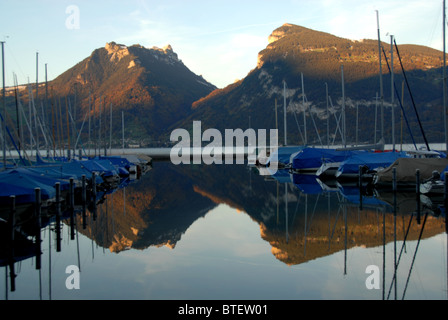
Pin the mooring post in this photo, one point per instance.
(12, 217)
(38, 203)
(394, 179)
(94, 186)
(83, 185)
(394, 188)
(93, 210)
(417, 192)
(72, 208)
(446, 201)
(83, 200)
(37, 215)
(72, 194)
(11, 224)
(58, 216)
(360, 186)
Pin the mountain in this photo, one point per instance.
(157, 93)
(294, 50)
(152, 87)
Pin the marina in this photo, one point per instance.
(199, 227)
(130, 177)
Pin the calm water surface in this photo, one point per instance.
(226, 232)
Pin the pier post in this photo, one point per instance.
(72, 208)
(94, 196)
(58, 216)
(394, 180)
(94, 186)
(11, 225)
(394, 188)
(12, 216)
(37, 216)
(83, 200)
(360, 186)
(446, 201)
(417, 192)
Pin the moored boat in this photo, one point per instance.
(405, 172)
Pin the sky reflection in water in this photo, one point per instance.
(238, 244)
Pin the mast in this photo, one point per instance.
(381, 77)
(392, 89)
(276, 116)
(122, 130)
(37, 78)
(328, 117)
(17, 114)
(357, 124)
(90, 113)
(45, 118)
(304, 111)
(110, 130)
(444, 77)
(284, 110)
(68, 129)
(344, 138)
(4, 105)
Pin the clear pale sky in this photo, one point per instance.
(218, 39)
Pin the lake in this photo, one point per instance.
(225, 232)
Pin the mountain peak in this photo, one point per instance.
(117, 51)
(152, 85)
(167, 51)
(280, 32)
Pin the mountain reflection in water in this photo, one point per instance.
(299, 222)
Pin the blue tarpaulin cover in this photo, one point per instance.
(21, 183)
(313, 158)
(283, 155)
(371, 160)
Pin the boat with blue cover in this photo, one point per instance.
(369, 161)
(283, 156)
(310, 160)
(104, 168)
(68, 170)
(21, 183)
(121, 164)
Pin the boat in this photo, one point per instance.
(21, 183)
(310, 160)
(435, 184)
(104, 168)
(65, 171)
(370, 162)
(121, 163)
(282, 157)
(405, 172)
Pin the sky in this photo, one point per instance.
(219, 40)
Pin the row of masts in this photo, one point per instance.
(56, 124)
(342, 121)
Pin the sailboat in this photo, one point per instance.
(311, 160)
(428, 162)
(281, 158)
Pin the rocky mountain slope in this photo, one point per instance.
(294, 51)
(157, 93)
(152, 87)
